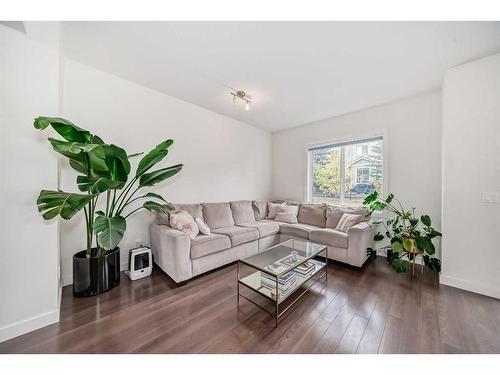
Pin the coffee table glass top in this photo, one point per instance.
(277, 260)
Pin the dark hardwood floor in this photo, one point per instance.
(372, 310)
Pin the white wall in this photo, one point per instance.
(223, 159)
(29, 83)
(471, 166)
(412, 129)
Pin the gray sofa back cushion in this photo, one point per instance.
(218, 215)
(194, 209)
(242, 212)
(163, 219)
(334, 214)
(259, 209)
(312, 214)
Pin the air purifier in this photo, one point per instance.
(140, 262)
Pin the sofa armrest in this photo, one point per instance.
(172, 251)
(360, 237)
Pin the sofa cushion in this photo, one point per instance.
(312, 214)
(163, 219)
(329, 237)
(242, 212)
(259, 209)
(239, 235)
(205, 245)
(195, 210)
(347, 221)
(287, 214)
(272, 209)
(265, 227)
(218, 215)
(297, 230)
(334, 214)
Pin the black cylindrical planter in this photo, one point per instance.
(95, 275)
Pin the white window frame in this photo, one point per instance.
(384, 134)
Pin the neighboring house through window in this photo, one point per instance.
(345, 173)
(362, 174)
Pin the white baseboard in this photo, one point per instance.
(28, 325)
(67, 279)
(469, 286)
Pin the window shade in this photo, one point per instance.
(332, 145)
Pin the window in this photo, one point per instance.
(345, 173)
(362, 174)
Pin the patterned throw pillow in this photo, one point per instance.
(347, 221)
(204, 229)
(184, 222)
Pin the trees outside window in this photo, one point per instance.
(344, 174)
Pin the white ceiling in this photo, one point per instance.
(297, 72)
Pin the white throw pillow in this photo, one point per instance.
(184, 222)
(272, 209)
(347, 221)
(287, 214)
(204, 229)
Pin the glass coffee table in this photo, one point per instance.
(282, 274)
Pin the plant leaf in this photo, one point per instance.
(378, 237)
(378, 206)
(400, 265)
(407, 244)
(371, 253)
(65, 128)
(117, 162)
(370, 198)
(75, 152)
(135, 154)
(98, 140)
(434, 233)
(96, 185)
(157, 207)
(109, 161)
(152, 178)
(425, 244)
(153, 157)
(102, 160)
(389, 198)
(429, 246)
(158, 196)
(53, 203)
(432, 263)
(396, 246)
(426, 220)
(109, 230)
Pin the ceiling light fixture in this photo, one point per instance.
(242, 95)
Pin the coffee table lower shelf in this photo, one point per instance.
(283, 303)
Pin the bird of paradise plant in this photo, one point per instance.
(103, 171)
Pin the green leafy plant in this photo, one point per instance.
(408, 234)
(103, 170)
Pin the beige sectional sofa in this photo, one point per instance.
(241, 228)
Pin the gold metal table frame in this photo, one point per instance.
(277, 314)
